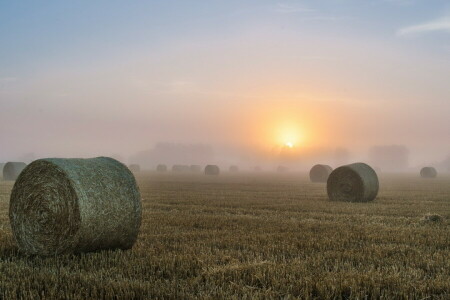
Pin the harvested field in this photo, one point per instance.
(253, 236)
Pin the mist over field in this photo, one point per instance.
(227, 82)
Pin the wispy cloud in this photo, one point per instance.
(291, 8)
(442, 24)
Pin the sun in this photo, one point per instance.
(289, 144)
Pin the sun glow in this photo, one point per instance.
(289, 144)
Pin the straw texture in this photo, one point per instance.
(75, 205)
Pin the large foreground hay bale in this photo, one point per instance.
(354, 183)
(135, 168)
(161, 168)
(75, 205)
(320, 173)
(212, 170)
(428, 172)
(12, 170)
(234, 169)
(195, 168)
(180, 168)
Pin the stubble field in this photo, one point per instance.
(252, 236)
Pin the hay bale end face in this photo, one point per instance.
(320, 173)
(195, 168)
(12, 170)
(135, 168)
(161, 168)
(353, 183)
(428, 172)
(75, 205)
(234, 169)
(212, 170)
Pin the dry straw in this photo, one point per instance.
(320, 173)
(354, 183)
(428, 172)
(75, 205)
(11, 170)
(161, 168)
(212, 170)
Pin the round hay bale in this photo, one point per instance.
(212, 170)
(161, 168)
(75, 205)
(234, 169)
(180, 168)
(320, 173)
(354, 183)
(135, 168)
(195, 168)
(428, 172)
(12, 170)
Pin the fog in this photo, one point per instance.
(227, 83)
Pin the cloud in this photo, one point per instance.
(290, 8)
(432, 26)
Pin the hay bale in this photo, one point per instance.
(212, 170)
(354, 183)
(282, 169)
(12, 170)
(75, 205)
(428, 172)
(135, 168)
(180, 168)
(195, 168)
(433, 218)
(234, 169)
(320, 173)
(161, 168)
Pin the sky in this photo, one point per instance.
(88, 78)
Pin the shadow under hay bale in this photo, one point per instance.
(353, 183)
(196, 168)
(320, 173)
(428, 172)
(135, 168)
(212, 170)
(161, 168)
(12, 170)
(234, 169)
(75, 205)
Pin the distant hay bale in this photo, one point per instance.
(180, 168)
(135, 168)
(161, 168)
(212, 170)
(12, 170)
(320, 173)
(353, 183)
(195, 168)
(433, 218)
(428, 172)
(282, 169)
(75, 205)
(234, 169)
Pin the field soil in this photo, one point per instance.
(254, 236)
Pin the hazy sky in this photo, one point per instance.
(83, 78)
